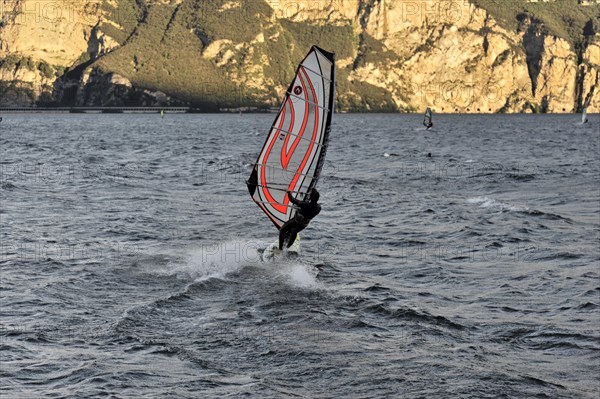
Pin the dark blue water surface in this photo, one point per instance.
(129, 263)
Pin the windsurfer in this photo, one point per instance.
(427, 121)
(306, 211)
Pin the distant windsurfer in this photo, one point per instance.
(306, 211)
(428, 119)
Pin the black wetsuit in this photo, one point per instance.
(292, 227)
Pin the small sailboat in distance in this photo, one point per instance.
(586, 104)
(584, 118)
(427, 120)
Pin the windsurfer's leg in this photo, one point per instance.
(294, 234)
(281, 238)
(284, 232)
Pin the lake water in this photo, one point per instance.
(129, 263)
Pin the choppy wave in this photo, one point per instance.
(492, 204)
(485, 202)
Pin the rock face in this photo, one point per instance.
(110, 89)
(392, 55)
(24, 86)
(450, 56)
(589, 78)
(57, 32)
(38, 40)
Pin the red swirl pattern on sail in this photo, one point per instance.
(304, 122)
(279, 207)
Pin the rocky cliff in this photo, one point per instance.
(454, 56)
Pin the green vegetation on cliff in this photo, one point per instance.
(566, 19)
(165, 48)
(122, 18)
(231, 53)
(14, 61)
(207, 52)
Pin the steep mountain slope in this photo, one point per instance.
(455, 56)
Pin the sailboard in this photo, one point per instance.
(427, 118)
(294, 151)
(272, 251)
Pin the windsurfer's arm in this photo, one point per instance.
(292, 199)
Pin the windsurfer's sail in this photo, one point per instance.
(427, 118)
(586, 104)
(293, 154)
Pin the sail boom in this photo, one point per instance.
(311, 103)
(299, 136)
(271, 167)
(274, 203)
(280, 189)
